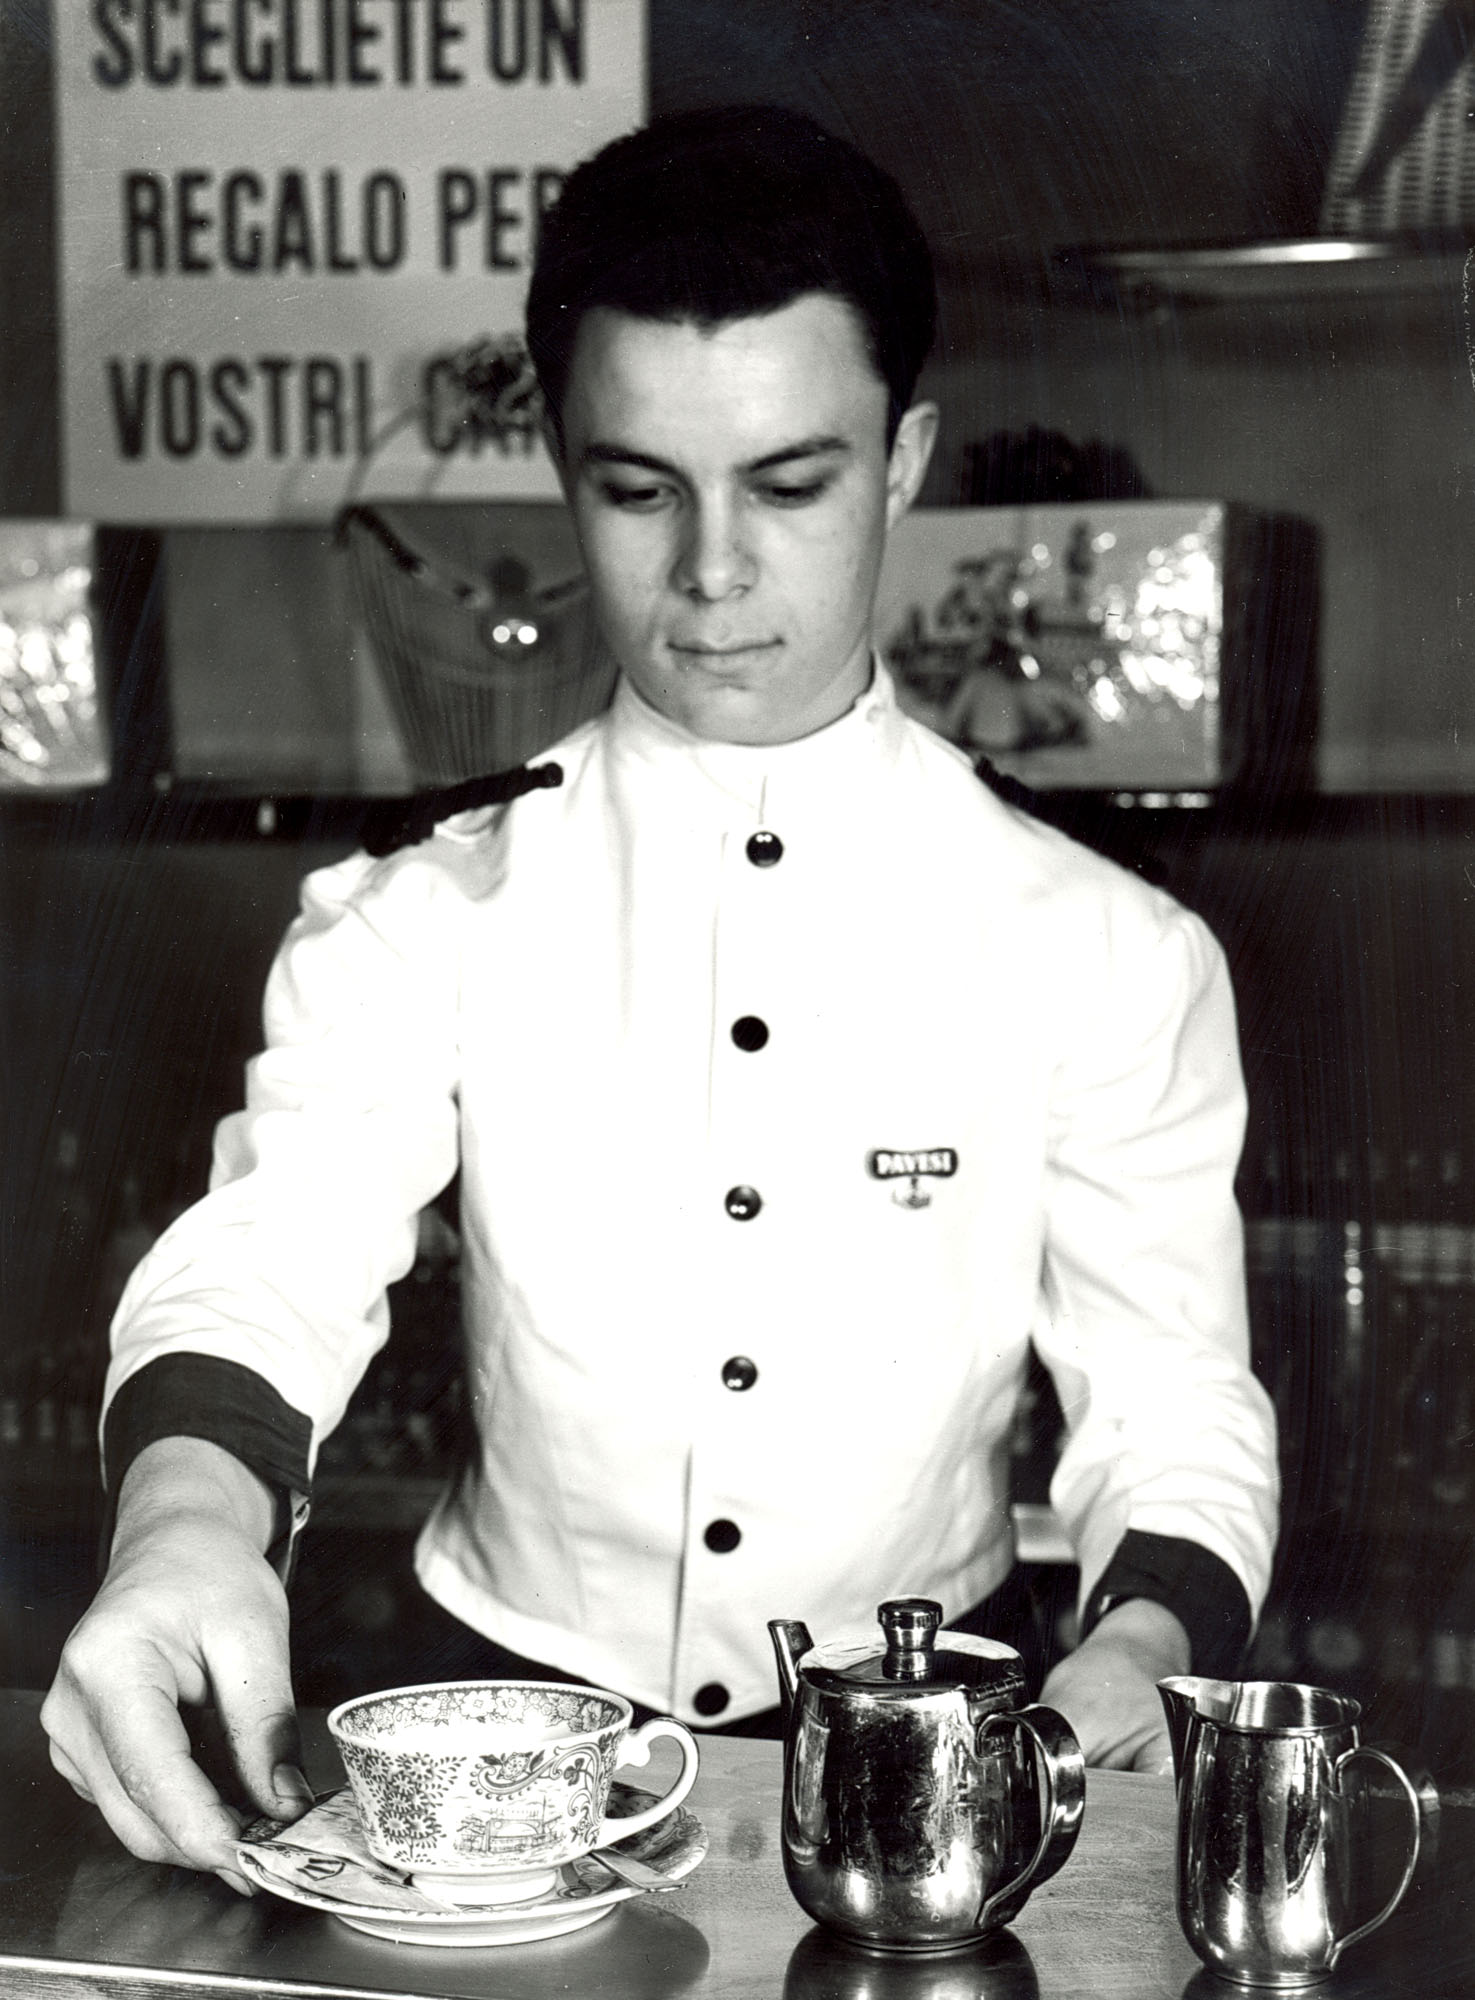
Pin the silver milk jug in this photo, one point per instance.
(1267, 1832)
(921, 1802)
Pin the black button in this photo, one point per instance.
(722, 1537)
(711, 1699)
(764, 849)
(742, 1203)
(750, 1033)
(738, 1372)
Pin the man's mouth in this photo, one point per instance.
(707, 654)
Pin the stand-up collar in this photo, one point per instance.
(843, 758)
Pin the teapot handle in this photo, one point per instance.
(1064, 1802)
(1391, 1764)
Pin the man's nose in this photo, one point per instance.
(715, 559)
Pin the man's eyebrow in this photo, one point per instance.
(620, 454)
(811, 447)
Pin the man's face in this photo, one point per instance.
(731, 490)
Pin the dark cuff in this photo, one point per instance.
(1203, 1593)
(200, 1396)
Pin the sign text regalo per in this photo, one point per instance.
(281, 219)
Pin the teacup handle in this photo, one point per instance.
(1064, 1802)
(636, 1750)
(1391, 1764)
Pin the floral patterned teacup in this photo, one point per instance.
(481, 1790)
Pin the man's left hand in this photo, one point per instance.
(1107, 1688)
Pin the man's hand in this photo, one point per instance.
(1107, 1688)
(190, 1612)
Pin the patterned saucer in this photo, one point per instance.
(399, 1914)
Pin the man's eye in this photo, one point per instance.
(790, 494)
(638, 498)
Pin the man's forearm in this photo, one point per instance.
(1150, 1632)
(176, 1477)
(184, 1397)
(1204, 1596)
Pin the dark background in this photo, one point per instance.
(136, 926)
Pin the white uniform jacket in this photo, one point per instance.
(870, 1105)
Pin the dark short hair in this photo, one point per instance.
(716, 215)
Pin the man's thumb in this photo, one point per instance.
(261, 1724)
(290, 1791)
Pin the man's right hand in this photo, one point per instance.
(190, 1612)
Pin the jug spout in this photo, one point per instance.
(1186, 1695)
(791, 1641)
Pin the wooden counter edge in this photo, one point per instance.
(81, 1979)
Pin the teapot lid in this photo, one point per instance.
(912, 1664)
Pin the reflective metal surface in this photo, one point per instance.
(920, 1806)
(825, 1967)
(1269, 1836)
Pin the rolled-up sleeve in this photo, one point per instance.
(1144, 1325)
(349, 1128)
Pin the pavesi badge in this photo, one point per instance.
(889, 1163)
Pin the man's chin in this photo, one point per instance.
(722, 711)
(742, 707)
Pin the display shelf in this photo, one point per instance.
(1326, 270)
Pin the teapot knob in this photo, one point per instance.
(910, 1625)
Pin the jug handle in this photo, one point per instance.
(1391, 1764)
(1064, 1801)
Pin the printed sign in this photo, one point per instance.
(295, 239)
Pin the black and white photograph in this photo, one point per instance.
(737, 999)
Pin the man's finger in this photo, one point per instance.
(134, 1828)
(1155, 1754)
(1140, 1749)
(148, 1758)
(89, 1775)
(63, 1763)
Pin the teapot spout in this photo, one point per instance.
(791, 1641)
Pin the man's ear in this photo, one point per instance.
(911, 453)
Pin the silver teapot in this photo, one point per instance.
(921, 1802)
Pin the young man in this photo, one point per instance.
(795, 1084)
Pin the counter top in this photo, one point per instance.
(80, 1917)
